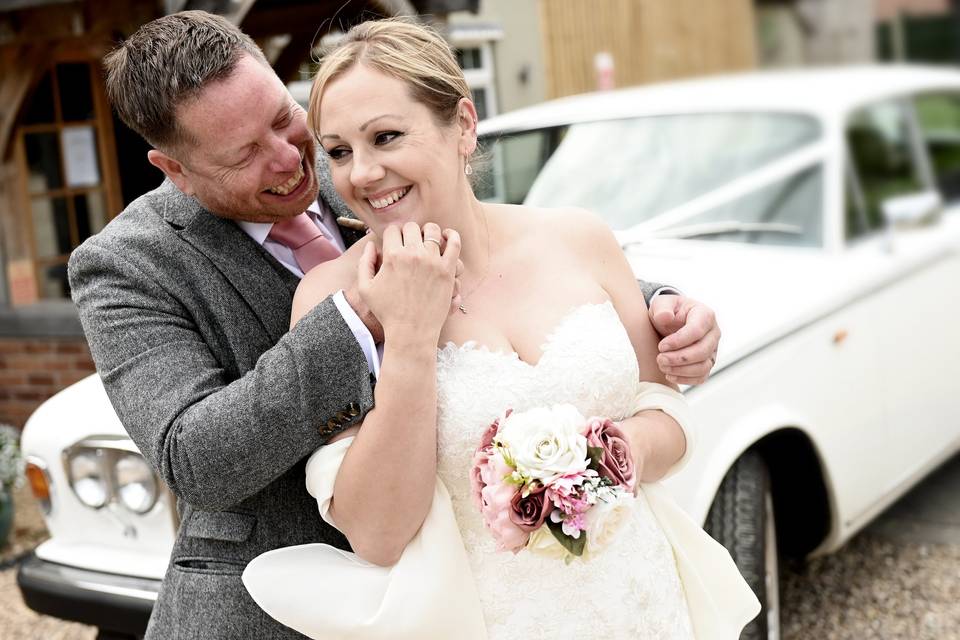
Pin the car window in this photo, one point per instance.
(884, 164)
(634, 169)
(787, 212)
(510, 163)
(939, 118)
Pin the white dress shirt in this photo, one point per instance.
(325, 221)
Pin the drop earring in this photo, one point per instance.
(467, 170)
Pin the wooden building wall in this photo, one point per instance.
(649, 40)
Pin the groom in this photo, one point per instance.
(185, 300)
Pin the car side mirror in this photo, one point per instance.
(912, 209)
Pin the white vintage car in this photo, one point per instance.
(816, 211)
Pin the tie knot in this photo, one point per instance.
(295, 232)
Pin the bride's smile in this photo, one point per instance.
(393, 164)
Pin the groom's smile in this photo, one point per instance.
(250, 155)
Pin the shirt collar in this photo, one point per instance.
(260, 230)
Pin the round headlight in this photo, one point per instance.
(136, 485)
(87, 480)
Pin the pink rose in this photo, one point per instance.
(497, 499)
(616, 463)
(530, 512)
(486, 440)
(480, 459)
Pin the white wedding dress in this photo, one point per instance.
(662, 578)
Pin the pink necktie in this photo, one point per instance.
(301, 235)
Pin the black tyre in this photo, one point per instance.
(742, 519)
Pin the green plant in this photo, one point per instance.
(11, 460)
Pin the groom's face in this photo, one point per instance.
(249, 155)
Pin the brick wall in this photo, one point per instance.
(33, 369)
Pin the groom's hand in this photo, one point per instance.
(690, 334)
(352, 295)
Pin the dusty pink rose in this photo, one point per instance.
(617, 460)
(530, 512)
(496, 498)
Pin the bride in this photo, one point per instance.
(549, 313)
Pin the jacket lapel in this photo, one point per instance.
(264, 284)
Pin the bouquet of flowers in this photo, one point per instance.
(553, 482)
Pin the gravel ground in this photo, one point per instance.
(873, 588)
(17, 622)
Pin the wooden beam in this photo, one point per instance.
(287, 65)
(316, 18)
(19, 67)
(17, 5)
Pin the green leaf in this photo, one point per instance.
(573, 545)
(596, 456)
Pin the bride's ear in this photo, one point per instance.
(467, 126)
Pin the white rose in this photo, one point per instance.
(545, 443)
(543, 543)
(606, 520)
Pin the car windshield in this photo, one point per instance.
(632, 170)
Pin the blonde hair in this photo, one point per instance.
(403, 49)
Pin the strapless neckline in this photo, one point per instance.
(451, 349)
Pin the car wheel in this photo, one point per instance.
(741, 518)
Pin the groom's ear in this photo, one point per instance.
(172, 168)
(467, 126)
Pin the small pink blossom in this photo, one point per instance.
(566, 494)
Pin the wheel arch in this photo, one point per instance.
(798, 482)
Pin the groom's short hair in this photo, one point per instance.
(167, 61)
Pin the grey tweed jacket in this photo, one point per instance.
(187, 320)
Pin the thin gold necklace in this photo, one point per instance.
(486, 270)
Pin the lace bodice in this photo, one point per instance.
(632, 590)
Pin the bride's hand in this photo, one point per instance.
(411, 292)
(656, 441)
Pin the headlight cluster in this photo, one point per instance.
(105, 470)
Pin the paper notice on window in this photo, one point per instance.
(80, 156)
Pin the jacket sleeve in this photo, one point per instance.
(214, 441)
(650, 288)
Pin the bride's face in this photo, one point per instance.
(390, 160)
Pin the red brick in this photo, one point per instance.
(40, 379)
(71, 347)
(11, 346)
(57, 364)
(84, 365)
(67, 378)
(8, 378)
(38, 347)
(11, 409)
(30, 394)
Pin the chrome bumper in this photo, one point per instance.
(114, 602)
